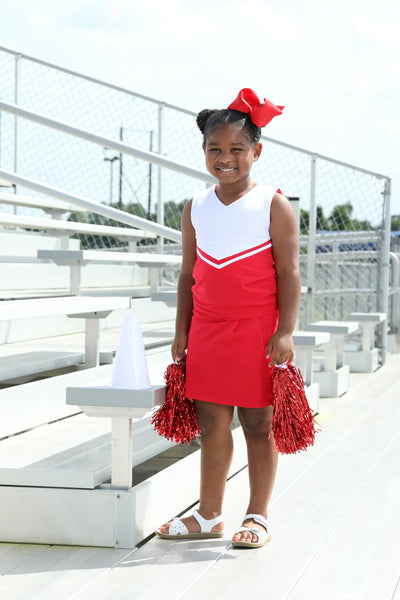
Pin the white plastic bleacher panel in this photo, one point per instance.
(73, 453)
(45, 204)
(33, 404)
(58, 447)
(21, 365)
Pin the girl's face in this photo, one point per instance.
(230, 154)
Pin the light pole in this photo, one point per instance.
(121, 129)
(150, 167)
(150, 178)
(111, 160)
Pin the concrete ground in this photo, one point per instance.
(335, 517)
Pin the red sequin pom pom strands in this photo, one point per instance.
(176, 419)
(292, 422)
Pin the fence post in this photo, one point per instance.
(160, 196)
(394, 307)
(311, 241)
(16, 121)
(385, 253)
(295, 204)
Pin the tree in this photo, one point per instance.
(304, 221)
(322, 223)
(173, 213)
(395, 223)
(340, 219)
(89, 241)
(364, 225)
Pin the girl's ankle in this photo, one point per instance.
(208, 514)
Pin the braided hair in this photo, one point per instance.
(208, 119)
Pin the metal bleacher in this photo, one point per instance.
(71, 268)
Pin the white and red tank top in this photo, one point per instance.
(234, 272)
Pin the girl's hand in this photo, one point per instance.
(280, 348)
(178, 347)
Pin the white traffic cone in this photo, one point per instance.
(130, 367)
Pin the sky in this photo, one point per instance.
(334, 65)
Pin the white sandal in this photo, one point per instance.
(263, 536)
(178, 530)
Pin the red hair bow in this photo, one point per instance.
(247, 101)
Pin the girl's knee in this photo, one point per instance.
(256, 422)
(213, 418)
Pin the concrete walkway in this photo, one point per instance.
(335, 516)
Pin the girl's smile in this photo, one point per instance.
(224, 171)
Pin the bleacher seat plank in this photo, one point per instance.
(46, 204)
(72, 453)
(90, 308)
(76, 259)
(83, 257)
(72, 227)
(27, 363)
(33, 404)
(66, 305)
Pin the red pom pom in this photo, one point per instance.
(176, 419)
(292, 422)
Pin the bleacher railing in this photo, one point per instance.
(143, 156)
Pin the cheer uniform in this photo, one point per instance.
(235, 307)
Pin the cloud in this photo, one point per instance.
(383, 29)
(174, 20)
(336, 66)
(391, 127)
(100, 15)
(280, 23)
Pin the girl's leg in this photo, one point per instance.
(216, 456)
(262, 461)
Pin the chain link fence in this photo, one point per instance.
(342, 208)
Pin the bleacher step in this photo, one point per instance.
(28, 363)
(80, 455)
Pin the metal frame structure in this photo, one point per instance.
(324, 181)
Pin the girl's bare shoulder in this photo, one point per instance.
(280, 199)
(187, 209)
(280, 205)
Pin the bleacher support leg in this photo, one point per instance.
(121, 474)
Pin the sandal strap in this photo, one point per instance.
(261, 535)
(177, 527)
(206, 525)
(259, 519)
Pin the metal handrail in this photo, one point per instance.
(101, 209)
(394, 259)
(394, 292)
(111, 86)
(19, 55)
(106, 142)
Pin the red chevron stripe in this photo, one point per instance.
(221, 261)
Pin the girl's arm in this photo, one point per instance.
(285, 247)
(184, 297)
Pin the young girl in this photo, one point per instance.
(238, 296)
